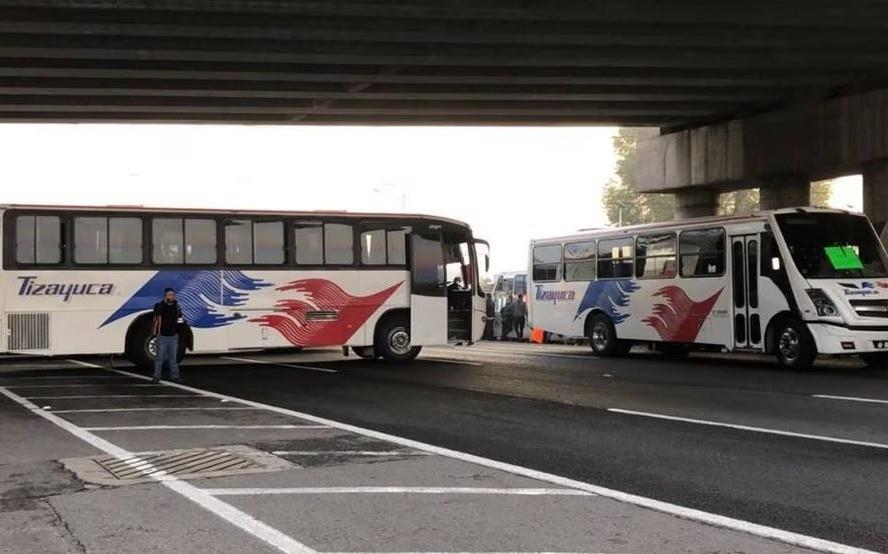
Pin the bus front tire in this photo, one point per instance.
(794, 345)
(603, 337)
(393, 340)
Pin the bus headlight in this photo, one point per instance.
(822, 303)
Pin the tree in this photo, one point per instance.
(622, 202)
(738, 202)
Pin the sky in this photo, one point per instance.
(510, 184)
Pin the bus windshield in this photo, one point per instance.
(832, 245)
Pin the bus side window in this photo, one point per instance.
(547, 263)
(616, 258)
(38, 239)
(702, 253)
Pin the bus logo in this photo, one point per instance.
(31, 287)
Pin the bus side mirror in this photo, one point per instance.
(775, 263)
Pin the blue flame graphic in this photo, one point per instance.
(201, 293)
(609, 297)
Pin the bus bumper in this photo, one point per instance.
(833, 339)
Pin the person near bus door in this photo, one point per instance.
(506, 316)
(167, 315)
(519, 316)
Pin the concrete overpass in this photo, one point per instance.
(756, 93)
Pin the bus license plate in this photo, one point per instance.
(880, 344)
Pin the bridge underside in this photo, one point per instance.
(672, 64)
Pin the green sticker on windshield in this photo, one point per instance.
(843, 257)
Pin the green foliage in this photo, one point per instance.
(821, 193)
(621, 199)
(738, 202)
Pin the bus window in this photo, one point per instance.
(38, 239)
(615, 258)
(338, 244)
(702, 252)
(655, 255)
(238, 242)
(200, 241)
(396, 241)
(308, 237)
(579, 261)
(521, 285)
(547, 263)
(268, 242)
(178, 241)
(373, 250)
(102, 240)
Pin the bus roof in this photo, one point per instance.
(691, 222)
(213, 211)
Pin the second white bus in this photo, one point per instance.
(793, 282)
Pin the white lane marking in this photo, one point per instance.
(715, 520)
(169, 409)
(851, 398)
(349, 453)
(174, 427)
(92, 396)
(267, 362)
(448, 361)
(750, 428)
(76, 386)
(398, 490)
(229, 513)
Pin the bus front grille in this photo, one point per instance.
(27, 332)
(870, 308)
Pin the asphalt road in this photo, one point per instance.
(546, 408)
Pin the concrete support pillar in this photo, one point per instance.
(787, 191)
(875, 192)
(695, 202)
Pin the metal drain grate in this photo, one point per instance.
(196, 462)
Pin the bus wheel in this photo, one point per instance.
(875, 360)
(795, 345)
(142, 346)
(366, 352)
(393, 340)
(603, 337)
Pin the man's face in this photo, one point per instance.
(170, 296)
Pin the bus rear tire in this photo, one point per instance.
(393, 340)
(794, 345)
(142, 346)
(603, 337)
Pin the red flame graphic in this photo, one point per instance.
(679, 319)
(291, 318)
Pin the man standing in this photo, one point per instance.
(506, 318)
(166, 321)
(519, 316)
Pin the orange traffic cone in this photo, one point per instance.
(536, 335)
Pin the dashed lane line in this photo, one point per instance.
(851, 398)
(227, 512)
(715, 520)
(70, 386)
(749, 428)
(279, 364)
(517, 491)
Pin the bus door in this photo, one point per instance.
(745, 285)
(428, 288)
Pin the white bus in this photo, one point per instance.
(793, 282)
(84, 280)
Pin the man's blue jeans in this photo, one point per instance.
(167, 351)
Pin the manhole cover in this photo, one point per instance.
(193, 463)
(185, 462)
